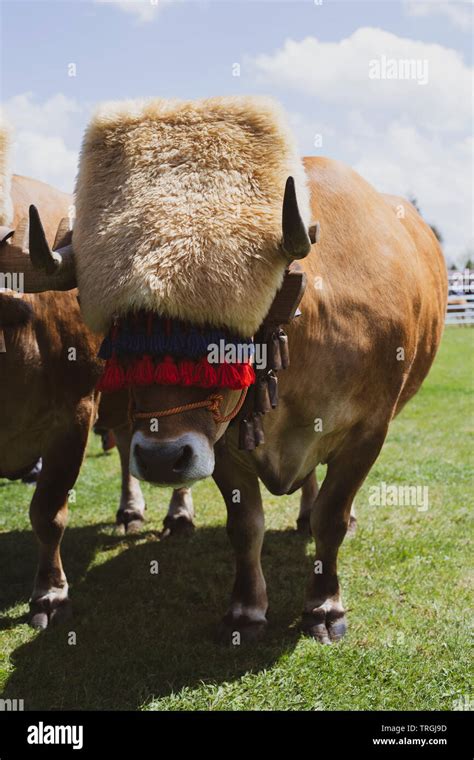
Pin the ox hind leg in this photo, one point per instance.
(180, 516)
(240, 489)
(324, 615)
(309, 494)
(48, 513)
(131, 512)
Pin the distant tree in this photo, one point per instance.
(414, 203)
(437, 233)
(433, 227)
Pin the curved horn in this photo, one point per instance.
(56, 267)
(296, 242)
(44, 269)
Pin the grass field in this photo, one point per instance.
(146, 641)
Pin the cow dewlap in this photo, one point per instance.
(179, 206)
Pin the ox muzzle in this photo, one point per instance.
(176, 462)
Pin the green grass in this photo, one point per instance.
(147, 642)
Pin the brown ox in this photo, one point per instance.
(47, 400)
(372, 319)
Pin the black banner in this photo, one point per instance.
(376, 734)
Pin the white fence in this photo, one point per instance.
(460, 309)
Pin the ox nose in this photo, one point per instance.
(166, 460)
(171, 462)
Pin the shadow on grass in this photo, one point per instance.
(18, 561)
(140, 635)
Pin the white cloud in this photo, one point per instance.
(403, 161)
(45, 137)
(144, 10)
(457, 12)
(338, 72)
(54, 114)
(398, 158)
(45, 158)
(404, 138)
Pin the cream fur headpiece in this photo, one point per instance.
(178, 210)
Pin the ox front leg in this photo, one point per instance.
(48, 513)
(324, 615)
(131, 512)
(180, 516)
(246, 616)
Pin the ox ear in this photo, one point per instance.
(296, 242)
(63, 234)
(55, 268)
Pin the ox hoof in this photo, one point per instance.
(303, 526)
(49, 609)
(326, 624)
(240, 630)
(352, 527)
(129, 521)
(177, 526)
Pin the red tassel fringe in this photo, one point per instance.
(166, 372)
(187, 369)
(113, 377)
(143, 372)
(205, 374)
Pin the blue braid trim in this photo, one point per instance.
(184, 341)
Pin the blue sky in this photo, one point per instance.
(404, 136)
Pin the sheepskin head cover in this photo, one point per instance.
(178, 210)
(6, 208)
